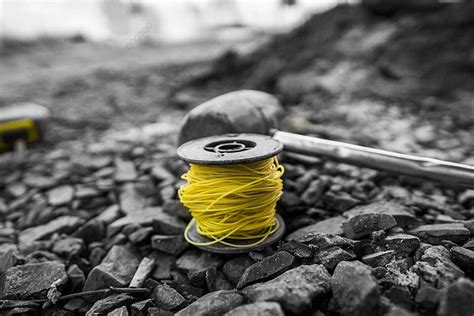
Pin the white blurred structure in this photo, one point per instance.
(163, 20)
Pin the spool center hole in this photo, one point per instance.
(230, 146)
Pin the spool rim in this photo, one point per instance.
(194, 236)
(229, 149)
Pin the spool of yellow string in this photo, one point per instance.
(231, 203)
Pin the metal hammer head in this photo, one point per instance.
(243, 111)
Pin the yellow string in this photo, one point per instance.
(233, 201)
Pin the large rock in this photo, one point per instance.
(267, 268)
(244, 111)
(214, 303)
(234, 268)
(355, 289)
(331, 225)
(435, 233)
(362, 225)
(457, 299)
(60, 195)
(63, 224)
(257, 309)
(295, 289)
(464, 258)
(402, 214)
(173, 245)
(32, 280)
(117, 269)
(8, 253)
(195, 264)
(402, 244)
(110, 303)
(150, 216)
(167, 298)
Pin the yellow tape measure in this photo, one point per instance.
(18, 130)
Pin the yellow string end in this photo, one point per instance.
(233, 202)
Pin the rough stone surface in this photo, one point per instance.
(257, 309)
(355, 289)
(214, 303)
(234, 268)
(379, 259)
(63, 224)
(216, 280)
(195, 264)
(110, 303)
(402, 244)
(117, 269)
(295, 289)
(331, 225)
(364, 224)
(267, 268)
(330, 257)
(167, 298)
(32, 280)
(151, 216)
(434, 234)
(173, 245)
(145, 268)
(464, 258)
(457, 299)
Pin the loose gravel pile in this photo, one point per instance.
(105, 215)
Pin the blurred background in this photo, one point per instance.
(391, 74)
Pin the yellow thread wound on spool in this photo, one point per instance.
(233, 201)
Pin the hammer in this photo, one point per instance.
(250, 111)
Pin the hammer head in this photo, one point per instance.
(243, 111)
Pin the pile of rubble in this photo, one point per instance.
(98, 230)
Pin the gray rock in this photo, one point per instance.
(234, 268)
(31, 281)
(364, 224)
(110, 303)
(131, 200)
(435, 267)
(16, 189)
(457, 299)
(167, 298)
(173, 245)
(216, 281)
(63, 224)
(323, 241)
(434, 234)
(76, 277)
(297, 249)
(243, 111)
(117, 269)
(267, 268)
(469, 225)
(314, 191)
(110, 214)
(8, 253)
(156, 311)
(60, 195)
(427, 298)
(339, 202)
(121, 311)
(464, 258)
(68, 247)
(331, 225)
(160, 173)
(257, 309)
(163, 264)
(145, 268)
(330, 257)
(195, 263)
(214, 303)
(295, 289)
(402, 214)
(93, 230)
(164, 223)
(139, 308)
(402, 244)
(38, 181)
(125, 171)
(355, 289)
(467, 198)
(140, 236)
(379, 259)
